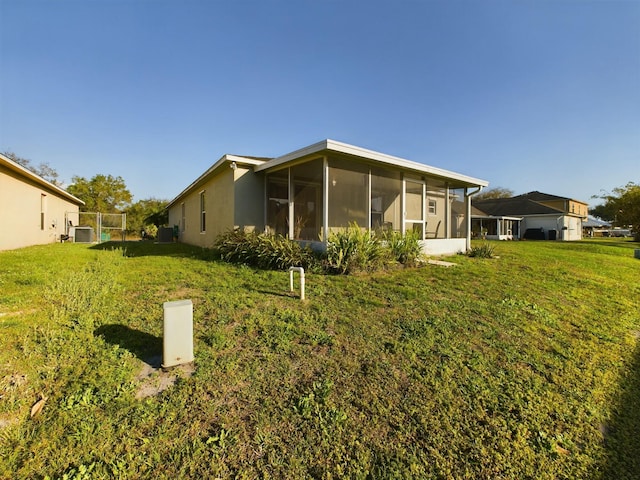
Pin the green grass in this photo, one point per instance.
(522, 366)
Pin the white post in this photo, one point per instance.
(178, 333)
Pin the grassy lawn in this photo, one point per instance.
(524, 366)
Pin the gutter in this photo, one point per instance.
(467, 197)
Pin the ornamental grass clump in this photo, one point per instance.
(484, 250)
(271, 252)
(405, 249)
(355, 249)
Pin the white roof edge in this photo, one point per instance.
(38, 179)
(371, 155)
(221, 161)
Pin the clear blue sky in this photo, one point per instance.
(529, 95)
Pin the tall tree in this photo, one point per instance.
(103, 193)
(622, 207)
(148, 214)
(495, 192)
(43, 170)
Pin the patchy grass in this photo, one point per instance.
(522, 366)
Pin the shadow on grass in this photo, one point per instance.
(622, 436)
(145, 346)
(149, 248)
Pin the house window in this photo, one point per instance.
(436, 209)
(203, 212)
(183, 218)
(43, 210)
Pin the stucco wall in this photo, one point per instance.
(444, 246)
(219, 207)
(21, 202)
(249, 210)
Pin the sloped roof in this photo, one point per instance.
(266, 163)
(500, 207)
(595, 222)
(28, 174)
(227, 159)
(545, 197)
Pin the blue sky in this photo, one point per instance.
(529, 95)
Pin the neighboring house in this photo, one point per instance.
(595, 227)
(554, 217)
(307, 194)
(33, 211)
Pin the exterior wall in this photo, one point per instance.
(219, 208)
(444, 246)
(21, 203)
(249, 200)
(569, 206)
(567, 228)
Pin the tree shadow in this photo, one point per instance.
(145, 346)
(622, 434)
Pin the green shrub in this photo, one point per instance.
(355, 249)
(405, 249)
(484, 250)
(273, 252)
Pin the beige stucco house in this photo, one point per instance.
(309, 193)
(33, 211)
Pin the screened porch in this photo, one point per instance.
(309, 200)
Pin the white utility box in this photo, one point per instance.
(177, 342)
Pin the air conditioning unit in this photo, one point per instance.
(177, 341)
(84, 234)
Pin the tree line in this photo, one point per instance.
(105, 194)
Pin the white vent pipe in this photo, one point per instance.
(301, 271)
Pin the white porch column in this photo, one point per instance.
(467, 214)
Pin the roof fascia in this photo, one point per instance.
(371, 155)
(25, 172)
(219, 163)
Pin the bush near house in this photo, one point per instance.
(525, 366)
(353, 249)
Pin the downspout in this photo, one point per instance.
(467, 196)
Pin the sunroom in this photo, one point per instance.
(328, 186)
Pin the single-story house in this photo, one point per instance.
(547, 216)
(309, 193)
(33, 211)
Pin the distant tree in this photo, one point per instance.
(43, 170)
(495, 192)
(622, 207)
(103, 193)
(148, 214)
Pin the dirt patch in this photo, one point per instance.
(154, 379)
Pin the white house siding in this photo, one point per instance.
(573, 230)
